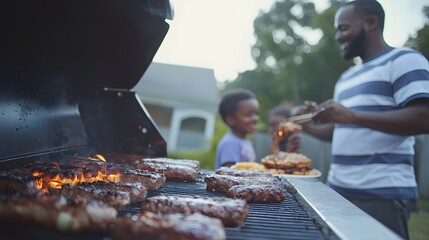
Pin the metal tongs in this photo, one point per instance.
(308, 116)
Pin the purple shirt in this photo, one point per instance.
(234, 149)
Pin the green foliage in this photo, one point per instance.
(421, 41)
(419, 220)
(207, 157)
(289, 68)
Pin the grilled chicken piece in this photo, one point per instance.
(56, 213)
(256, 193)
(150, 226)
(151, 180)
(240, 172)
(221, 183)
(232, 212)
(136, 191)
(114, 198)
(172, 172)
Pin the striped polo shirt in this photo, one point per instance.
(370, 164)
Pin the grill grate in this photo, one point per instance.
(286, 220)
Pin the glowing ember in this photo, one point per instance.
(280, 133)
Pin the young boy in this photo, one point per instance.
(239, 110)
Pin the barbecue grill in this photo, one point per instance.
(66, 71)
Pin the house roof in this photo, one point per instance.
(179, 84)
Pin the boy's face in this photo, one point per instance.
(246, 117)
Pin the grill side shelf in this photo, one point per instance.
(337, 217)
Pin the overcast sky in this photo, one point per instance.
(218, 34)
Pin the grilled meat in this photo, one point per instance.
(53, 212)
(151, 180)
(232, 212)
(150, 226)
(221, 183)
(180, 162)
(136, 191)
(172, 172)
(87, 164)
(114, 198)
(240, 173)
(257, 193)
(13, 187)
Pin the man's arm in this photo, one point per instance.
(411, 120)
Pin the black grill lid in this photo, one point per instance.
(57, 60)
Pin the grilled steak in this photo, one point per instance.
(172, 172)
(56, 213)
(181, 162)
(13, 187)
(257, 193)
(221, 183)
(150, 226)
(232, 212)
(136, 191)
(114, 198)
(240, 173)
(87, 164)
(150, 180)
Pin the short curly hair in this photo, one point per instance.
(368, 8)
(231, 99)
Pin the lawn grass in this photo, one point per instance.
(419, 221)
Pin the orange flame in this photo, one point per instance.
(100, 157)
(46, 181)
(280, 133)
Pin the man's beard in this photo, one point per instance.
(356, 45)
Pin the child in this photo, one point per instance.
(279, 115)
(239, 110)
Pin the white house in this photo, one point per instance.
(183, 103)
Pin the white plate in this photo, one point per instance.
(314, 174)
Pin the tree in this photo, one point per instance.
(421, 41)
(289, 68)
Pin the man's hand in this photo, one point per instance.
(333, 112)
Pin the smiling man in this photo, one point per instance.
(378, 106)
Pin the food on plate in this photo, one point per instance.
(232, 212)
(288, 163)
(249, 166)
(257, 193)
(151, 226)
